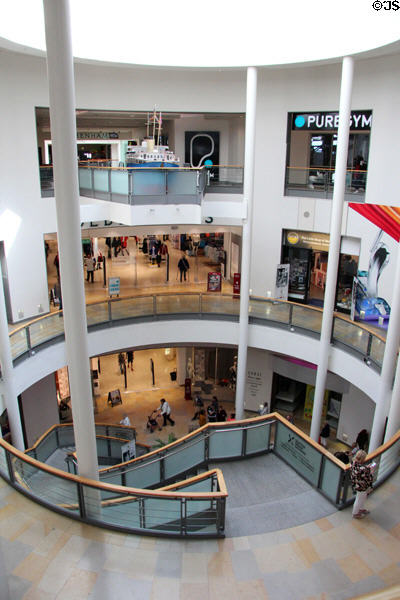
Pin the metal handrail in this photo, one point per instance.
(29, 346)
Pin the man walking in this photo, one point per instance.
(183, 266)
(165, 410)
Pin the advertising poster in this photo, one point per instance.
(282, 282)
(309, 402)
(236, 284)
(128, 451)
(214, 282)
(113, 286)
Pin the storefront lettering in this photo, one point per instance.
(322, 120)
(97, 135)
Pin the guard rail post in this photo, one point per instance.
(10, 467)
(28, 339)
(183, 508)
(81, 501)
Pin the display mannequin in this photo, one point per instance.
(189, 369)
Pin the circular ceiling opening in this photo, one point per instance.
(226, 33)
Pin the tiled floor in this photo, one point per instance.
(44, 556)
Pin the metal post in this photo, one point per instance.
(334, 243)
(388, 373)
(251, 97)
(63, 133)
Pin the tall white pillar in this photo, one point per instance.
(248, 185)
(7, 386)
(63, 133)
(334, 242)
(387, 373)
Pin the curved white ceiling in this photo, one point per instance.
(226, 33)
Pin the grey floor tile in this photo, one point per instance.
(14, 588)
(245, 565)
(169, 564)
(94, 557)
(117, 586)
(11, 554)
(366, 586)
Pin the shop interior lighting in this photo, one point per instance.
(224, 34)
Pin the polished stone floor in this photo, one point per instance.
(44, 556)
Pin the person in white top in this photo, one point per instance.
(125, 421)
(165, 410)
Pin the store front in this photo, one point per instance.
(311, 152)
(306, 253)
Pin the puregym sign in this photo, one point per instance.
(360, 120)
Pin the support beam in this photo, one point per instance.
(248, 185)
(63, 133)
(334, 243)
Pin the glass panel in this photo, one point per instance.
(132, 307)
(85, 178)
(182, 182)
(201, 516)
(163, 514)
(119, 182)
(330, 479)
(148, 183)
(225, 443)
(102, 447)
(388, 460)
(3, 462)
(216, 304)
(123, 513)
(144, 476)
(113, 477)
(66, 436)
(46, 329)
(100, 180)
(351, 335)
(303, 457)
(18, 343)
(181, 303)
(258, 438)
(97, 313)
(102, 430)
(377, 350)
(307, 318)
(187, 456)
(273, 311)
(48, 487)
(117, 431)
(47, 446)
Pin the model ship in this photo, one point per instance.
(150, 153)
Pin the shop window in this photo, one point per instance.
(311, 153)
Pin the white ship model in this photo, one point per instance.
(150, 153)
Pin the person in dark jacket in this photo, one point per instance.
(325, 433)
(362, 439)
(183, 266)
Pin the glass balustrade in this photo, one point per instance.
(270, 310)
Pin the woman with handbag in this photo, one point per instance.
(361, 480)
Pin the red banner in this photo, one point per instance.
(236, 284)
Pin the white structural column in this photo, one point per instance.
(388, 372)
(7, 388)
(63, 134)
(248, 185)
(334, 242)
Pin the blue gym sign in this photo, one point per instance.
(360, 120)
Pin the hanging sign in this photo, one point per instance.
(282, 282)
(113, 286)
(128, 451)
(214, 282)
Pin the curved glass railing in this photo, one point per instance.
(353, 337)
(195, 506)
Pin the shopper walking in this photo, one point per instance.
(90, 264)
(183, 266)
(165, 411)
(121, 362)
(129, 358)
(361, 480)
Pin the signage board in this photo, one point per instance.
(282, 282)
(236, 284)
(214, 282)
(113, 286)
(360, 120)
(128, 451)
(97, 135)
(306, 239)
(303, 457)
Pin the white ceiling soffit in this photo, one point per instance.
(226, 33)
